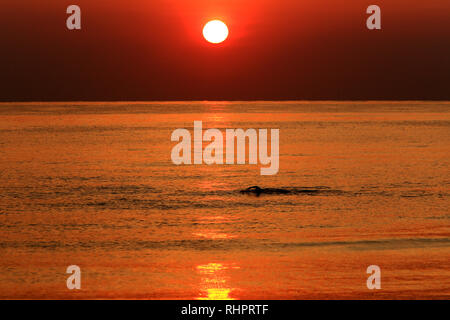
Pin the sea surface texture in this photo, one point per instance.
(93, 185)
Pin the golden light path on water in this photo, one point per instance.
(214, 284)
(213, 276)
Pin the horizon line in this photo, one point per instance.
(217, 101)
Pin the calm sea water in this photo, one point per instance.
(93, 185)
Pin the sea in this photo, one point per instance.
(93, 185)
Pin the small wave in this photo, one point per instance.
(319, 190)
(230, 244)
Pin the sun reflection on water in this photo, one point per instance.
(214, 284)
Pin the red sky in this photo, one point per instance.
(277, 49)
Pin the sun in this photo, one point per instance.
(215, 31)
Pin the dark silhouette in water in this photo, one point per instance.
(255, 190)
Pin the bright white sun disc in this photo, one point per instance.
(215, 31)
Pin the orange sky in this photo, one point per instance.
(290, 49)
